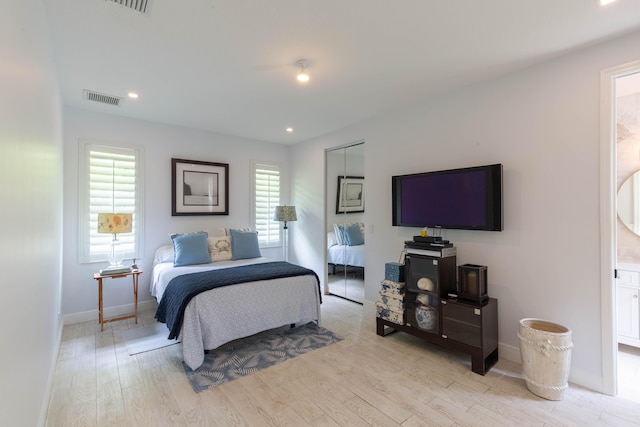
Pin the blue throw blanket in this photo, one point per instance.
(181, 289)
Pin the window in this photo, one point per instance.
(266, 197)
(110, 181)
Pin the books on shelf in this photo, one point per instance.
(110, 271)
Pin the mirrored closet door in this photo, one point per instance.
(345, 189)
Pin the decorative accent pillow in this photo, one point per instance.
(244, 244)
(220, 248)
(354, 235)
(190, 249)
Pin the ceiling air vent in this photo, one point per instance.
(137, 5)
(100, 97)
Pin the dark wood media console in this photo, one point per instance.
(466, 332)
(430, 313)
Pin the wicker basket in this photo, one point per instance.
(545, 349)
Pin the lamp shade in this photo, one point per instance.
(285, 213)
(115, 223)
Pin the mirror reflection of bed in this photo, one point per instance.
(345, 260)
(345, 221)
(348, 283)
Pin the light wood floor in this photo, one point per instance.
(629, 372)
(363, 380)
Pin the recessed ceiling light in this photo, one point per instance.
(132, 95)
(289, 130)
(302, 76)
(606, 2)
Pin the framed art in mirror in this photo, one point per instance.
(199, 188)
(350, 194)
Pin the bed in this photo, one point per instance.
(345, 246)
(223, 314)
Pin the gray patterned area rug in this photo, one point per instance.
(249, 355)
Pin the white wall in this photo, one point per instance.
(160, 143)
(31, 213)
(543, 124)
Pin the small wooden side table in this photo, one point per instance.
(134, 274)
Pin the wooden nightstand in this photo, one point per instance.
(134, 274)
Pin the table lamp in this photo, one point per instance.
(285, 214)
(114, 223)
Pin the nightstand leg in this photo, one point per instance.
(100, 315)
(135, 296)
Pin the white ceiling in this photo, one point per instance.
(229, 66)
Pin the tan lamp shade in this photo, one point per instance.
(285, 213)
(115, 223)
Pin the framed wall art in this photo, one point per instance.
(350, 194)
(199, 188)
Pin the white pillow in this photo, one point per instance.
(331, 239)
(220, 248)
(226, 231)
(338, 229)
(163, 254)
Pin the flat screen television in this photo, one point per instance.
(466, 199)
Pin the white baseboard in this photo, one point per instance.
(509, 352)
(120, 310)
(369, 310)
(512, 354)
(52, 370)
(576, 375)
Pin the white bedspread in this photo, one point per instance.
(224, 314)
(344, 254)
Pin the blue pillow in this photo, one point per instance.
(354, 235)
(244, 244)
(190, 249)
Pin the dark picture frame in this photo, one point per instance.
(350, 194)
(199, 188)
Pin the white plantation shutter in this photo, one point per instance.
(266, 198)
(110, 183)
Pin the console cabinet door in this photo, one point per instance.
(462, 323)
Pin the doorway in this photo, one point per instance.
(627, 285)
(619, 159)
(344, 213)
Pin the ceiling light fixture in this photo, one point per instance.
(289, 130)
(303, 76)
(606, 2)
(133, 95)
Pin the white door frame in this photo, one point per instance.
(608, 223)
